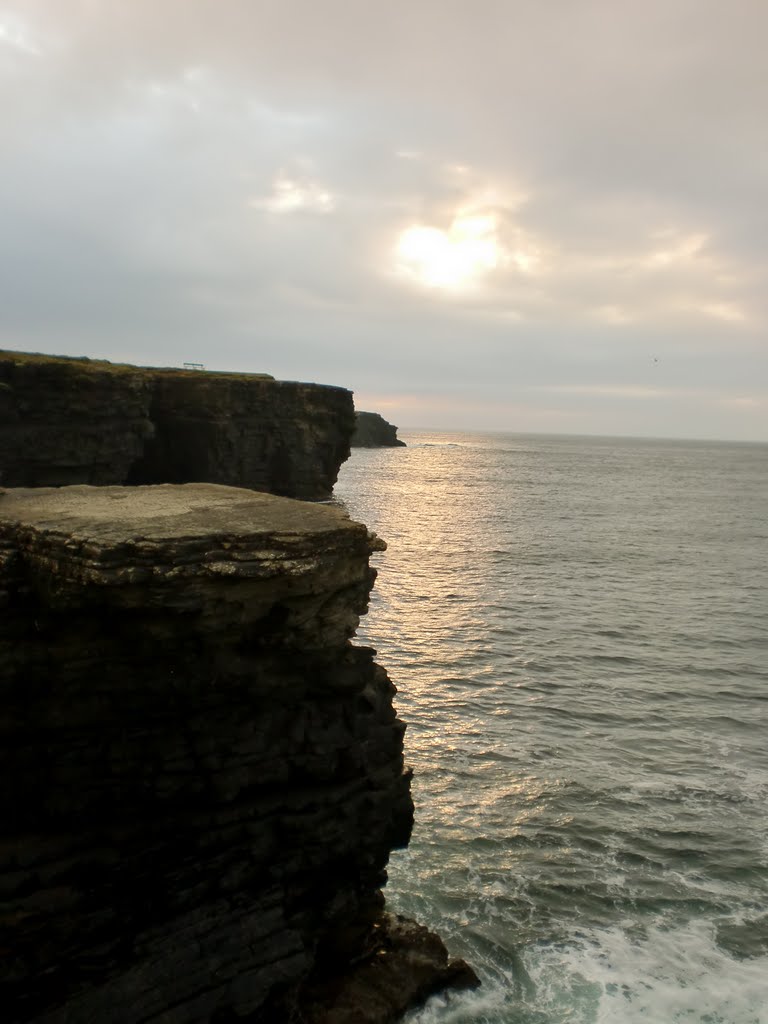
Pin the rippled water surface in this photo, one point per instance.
(578, 629)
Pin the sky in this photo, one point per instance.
(524, 215)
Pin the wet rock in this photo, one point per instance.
(404, 965)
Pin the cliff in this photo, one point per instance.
(69, 421)
(373, 431)
(201, 778)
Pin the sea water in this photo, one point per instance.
(578, 630)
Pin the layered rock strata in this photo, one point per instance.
(69, 421)
(373, 431)
(201, 778)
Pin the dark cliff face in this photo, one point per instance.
(373, 431)
(200, 778)
(67, 421)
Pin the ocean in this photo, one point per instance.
(578, 630)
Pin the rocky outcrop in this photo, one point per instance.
(201, 778)
(373, 431)
(406, 964)
(69, 421)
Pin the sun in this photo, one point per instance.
(453, 258)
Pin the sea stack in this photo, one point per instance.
(373, 431)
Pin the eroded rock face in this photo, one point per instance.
(201, 779)
(278, 436)
(69, 421)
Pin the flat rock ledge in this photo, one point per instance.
(226, 555)
(201, 777)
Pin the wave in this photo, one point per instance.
(612, 976)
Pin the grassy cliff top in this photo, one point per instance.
(103, 365)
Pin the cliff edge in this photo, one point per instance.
(201, 778)
(79, 421)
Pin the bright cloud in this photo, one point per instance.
(15, 34)
(727, 311)
(610, 390)
(446, 259)
(461, 255)
(676, 248)
(615, 315)
(289, 195)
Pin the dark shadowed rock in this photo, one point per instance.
(405, 965)
(69, 421)
(373, 431)
(201, 778)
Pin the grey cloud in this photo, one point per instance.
(140, 144)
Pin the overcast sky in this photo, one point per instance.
(527, 215)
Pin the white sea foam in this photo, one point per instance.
(676, 976)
